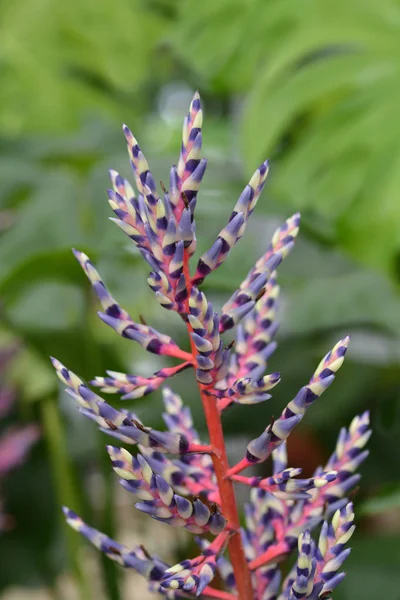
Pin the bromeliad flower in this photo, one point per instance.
(15, 441)
(174, 476)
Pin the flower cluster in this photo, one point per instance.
(174, 476)
(15, 442)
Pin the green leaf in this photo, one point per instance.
(322, 94)
(372, 569)
(32, 554)
(58, 265)
(388, 499)
(348, 300)
(81, 69)
(49, 221)
(33, 375)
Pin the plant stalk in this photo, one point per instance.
(65, 484)
(107, 523)
(221, 467)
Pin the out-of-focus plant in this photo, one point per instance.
(195, 490)
(15, 442)
(322, 91)
(95, 56)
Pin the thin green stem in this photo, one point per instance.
(107, 523)
(66, 487)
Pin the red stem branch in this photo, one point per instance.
(251, 481)
(223, 403)
(239, 467)
(273, 553)
(210, 592)
(221, 467)
(178, 353)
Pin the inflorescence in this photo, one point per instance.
(176, 478)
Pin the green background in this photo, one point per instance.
(313, 85)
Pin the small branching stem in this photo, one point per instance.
(225, 485)
(281, 549)
(201, 449)
(251, 481)
(238, 468)
(223, 403)
(178, 353)
(220, 595)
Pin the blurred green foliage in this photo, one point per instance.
(61, 60)
(315, 88)
(322, 95)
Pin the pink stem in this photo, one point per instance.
(210, 592)
(271, 555)
(200, 449)
(178, 353)
(240, 466)
(223, 403)
(251, 481)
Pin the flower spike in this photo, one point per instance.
(134, 386)
(259, 449)
(121, 322)
(212, 358)
(348, 456)
(243, 300)
(231, 234)
(197, 573)
(158, 499)
(190, 170)
(331, 553)
(249, 391)
(151, 568)
(143, 175)
(120, 424)
(174, 476)
(254, 342)
(284, 486)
